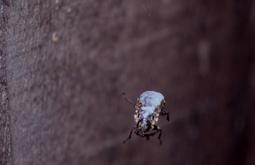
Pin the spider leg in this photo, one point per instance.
(131, 132)
(137, 124)
(144, 135)
(165, 113)
(127, 99)
(150, 134)
(147, 137)
(130, 135)
(156, 130)
(160, 133)
(139, 134)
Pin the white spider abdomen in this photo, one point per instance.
(151, 99)
(147, 111)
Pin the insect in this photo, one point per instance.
(148, 107)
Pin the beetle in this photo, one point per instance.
(148, 107)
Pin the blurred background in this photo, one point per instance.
(65, 63)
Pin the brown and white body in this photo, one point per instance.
(149, 106)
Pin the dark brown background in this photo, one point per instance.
(64, 64)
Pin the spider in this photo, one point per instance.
(149, 106)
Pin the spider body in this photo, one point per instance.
(149, 106)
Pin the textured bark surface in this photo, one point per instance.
(65, 63)
(5, 133)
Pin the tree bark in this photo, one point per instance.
(64, 65)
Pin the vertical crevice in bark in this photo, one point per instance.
(242, 63)
(5, 133)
